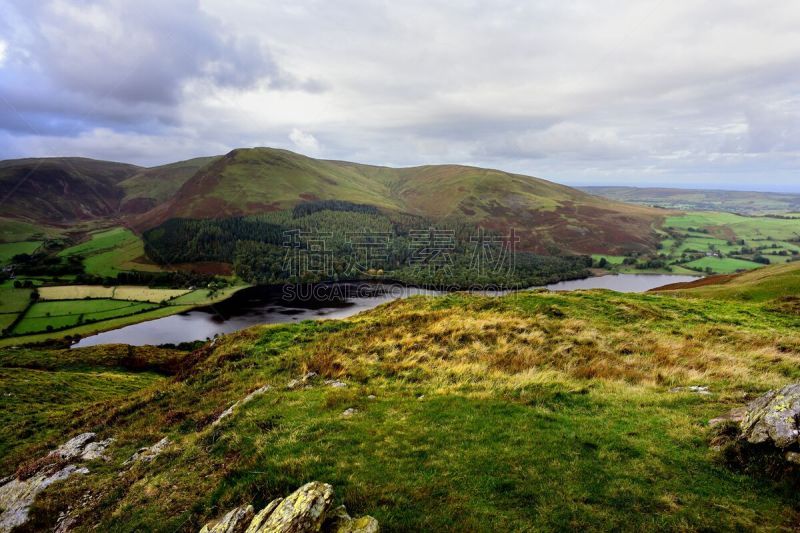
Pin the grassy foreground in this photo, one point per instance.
(532, 411)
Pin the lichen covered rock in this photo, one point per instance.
(306, 510)
(774, 418)
(235, 521)
(303, 510)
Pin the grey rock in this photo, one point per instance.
(793, 457)
(774, 418)
(148, 453)
(74, 447)
(302, 381)
(734, 415)
(364, 524)
(339, 521)
(306, 510)
(335, 383)
(350, 411)
(234, 521)
(17, 496)
(96, 450)
(697, 389)
(229, 411)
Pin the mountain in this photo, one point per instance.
(545, 215)
(151, 186)
(62, 190)
(741, 202)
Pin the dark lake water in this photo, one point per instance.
(264, 305)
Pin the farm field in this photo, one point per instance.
(726, 243)
(723, 265)
(54, 315)
(122, 292)
(87, 309)
(10, 249)
(109, 252)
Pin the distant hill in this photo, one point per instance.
(546, 216)
(61, 190)
(741, 202)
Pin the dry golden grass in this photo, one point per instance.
(491, 346)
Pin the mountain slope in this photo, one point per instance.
(742, 202)
(545, 215)
(535, 411)
(152, 186)
(61, 190)
(776, 282)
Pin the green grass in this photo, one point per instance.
(13, 230)
(111, 251)
(612, 259)
(725, 265)
(62, 314)
(14, 300)
(10, 249)
(42, 393)
(533, 411)
(776, 282)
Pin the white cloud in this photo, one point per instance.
(305, 142)
(3, 49)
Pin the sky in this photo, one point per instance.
(600, 92)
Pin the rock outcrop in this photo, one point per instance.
(148, 453)
(18, 492)
(306, 510)
(765, 436)
(774, 418)
(229, 411)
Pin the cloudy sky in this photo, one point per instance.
(689, 93)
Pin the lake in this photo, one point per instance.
(270, 305)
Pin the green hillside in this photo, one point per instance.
(546, 216)
(777, 282)
(532, 411)
(152, 186)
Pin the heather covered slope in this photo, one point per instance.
(61, 190)
(461, 413)
(547, 216)
(151, 186)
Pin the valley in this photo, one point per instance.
(157, 228)
(143, 327)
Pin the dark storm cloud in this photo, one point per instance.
(118, 63)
